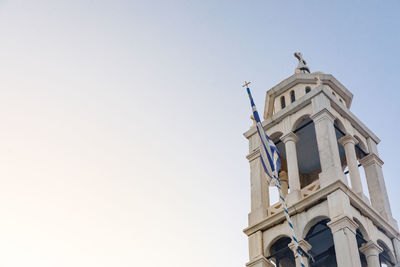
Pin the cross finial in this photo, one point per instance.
(302, 67)
(246, 84)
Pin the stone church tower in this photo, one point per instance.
(323, 147)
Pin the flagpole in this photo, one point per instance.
(275, 179)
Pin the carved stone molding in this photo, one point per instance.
(371, 159)
(290, 137)
(340, 223)
(348, 138)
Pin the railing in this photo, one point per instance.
(275, 208)
(305, 192)
(309, 189)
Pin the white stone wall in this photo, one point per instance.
(347, 209)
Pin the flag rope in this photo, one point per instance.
(271, 165)
(286, 211)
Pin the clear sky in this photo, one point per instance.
(121, 121)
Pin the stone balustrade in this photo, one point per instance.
(305, 192)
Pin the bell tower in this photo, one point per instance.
(325, 152)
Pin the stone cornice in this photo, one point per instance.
(305, 78)
(355, 200)
(305, 101)
(370, 159)
(253, 155)
(289, 137)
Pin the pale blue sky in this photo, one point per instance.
(121, 121)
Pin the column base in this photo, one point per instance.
(260, 262)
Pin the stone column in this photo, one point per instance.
(256, 253)
(344, 237)
(255, 245)
(306, 247)
(343, 229)
(259, 190)
(327, 148)
(290, 140)
(349, 142)
(371, 252)
(283, 179)
(376, 184)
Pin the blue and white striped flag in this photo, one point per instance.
(271, 163)
(269, 153)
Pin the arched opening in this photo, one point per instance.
(307, 151)
(340, 131)
(273, 191)
(292, 96)
(322, 247)
(361, 241)
(281, 254)
(308, 89)
(386, 258)
(361, 228)
(362, 151)
(283, 102)
(361, 148)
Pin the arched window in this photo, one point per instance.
(360, 241)
(333, 93)
(384, 257)
(281, 254)
(308, 89)
(322, 247)
(292, 96)
(283, 103)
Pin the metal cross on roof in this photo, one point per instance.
(246, 84)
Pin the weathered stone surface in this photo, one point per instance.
(327, 195)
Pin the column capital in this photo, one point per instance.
(260, 262)
(322, 114)
(342, 222)
(371, 249)
(302, 243)
(371, 159)
(305, 246)
(283, 176)
(291, 136)
(348, 138)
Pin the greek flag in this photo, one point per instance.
(269, 153)
(271, 163)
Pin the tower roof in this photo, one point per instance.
(305, 78)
